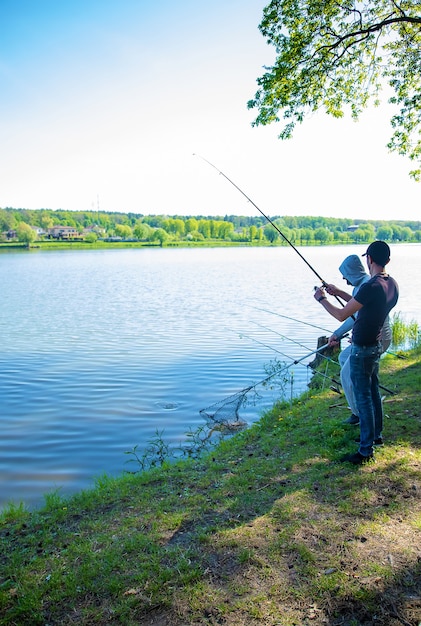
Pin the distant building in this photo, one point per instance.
(64, 232)
(39, 231)
(94, 228)
(10, 234)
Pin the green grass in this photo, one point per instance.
(268, 529)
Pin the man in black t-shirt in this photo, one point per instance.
(373, 302)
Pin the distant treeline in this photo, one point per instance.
(166, 229)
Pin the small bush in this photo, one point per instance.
(404, 335)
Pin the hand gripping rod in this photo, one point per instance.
(324, 283)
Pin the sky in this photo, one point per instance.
(105, 104)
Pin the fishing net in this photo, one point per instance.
(226, 411)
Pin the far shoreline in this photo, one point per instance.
(120, 245)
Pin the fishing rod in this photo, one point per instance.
(294, 361)
(295, 341)
(289, 318)
(317, 351)
(324, 283)
(293, 319)
(392, 393)
(324, 356)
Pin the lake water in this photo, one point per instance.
(102, 349)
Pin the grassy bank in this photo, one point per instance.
(269, 529)
(121, 245)
(116, 245)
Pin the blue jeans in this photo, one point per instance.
(364, 366)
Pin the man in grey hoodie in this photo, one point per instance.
(354, 273)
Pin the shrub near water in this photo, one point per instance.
(404, 334)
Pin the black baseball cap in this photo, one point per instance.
(379, 252)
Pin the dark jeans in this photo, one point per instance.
(364, 366)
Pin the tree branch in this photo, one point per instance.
(372, 29)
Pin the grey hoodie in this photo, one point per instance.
(353, 271)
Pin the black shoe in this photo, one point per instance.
(354, 419)
(357, 458)
(377, 442)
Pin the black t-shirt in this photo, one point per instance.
(378, 296)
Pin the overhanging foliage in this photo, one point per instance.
(334, 55)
